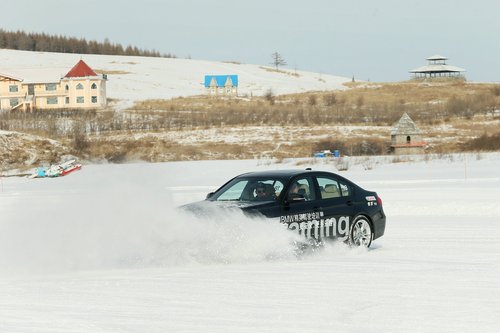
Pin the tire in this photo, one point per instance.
(361, 234)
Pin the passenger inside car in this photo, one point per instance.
(304, 191)
(298, 192)
(293, 192)
(330, 191)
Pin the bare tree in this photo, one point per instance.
(277, 60)
(269, 96)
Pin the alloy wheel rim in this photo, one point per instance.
(362, 233)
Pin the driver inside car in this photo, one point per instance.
(264, 192)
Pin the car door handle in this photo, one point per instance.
(349, 203)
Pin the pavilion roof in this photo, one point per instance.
(437, 68)
(437, 57)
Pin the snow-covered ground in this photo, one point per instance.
(105, 250)
(133, 79)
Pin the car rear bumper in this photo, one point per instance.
(378, 221)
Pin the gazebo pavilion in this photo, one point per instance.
(437, 67)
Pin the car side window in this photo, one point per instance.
(234, 192)
(301, 189)
(329, 188)
(332, 188)
(266, 190)
(345, 189)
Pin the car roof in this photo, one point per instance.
(287, 173)
(290, 173)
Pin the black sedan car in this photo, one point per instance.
(316, 204)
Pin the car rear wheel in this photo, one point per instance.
(361, 232)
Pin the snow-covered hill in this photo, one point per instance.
(138, 78)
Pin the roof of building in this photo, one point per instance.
(405, 126)
(81, 69)
(47, 74)
(220, 80)
(34, 75)
(437, 69)
(437, 65)
(437, 57)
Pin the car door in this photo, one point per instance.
(300, 208)
(336, 205)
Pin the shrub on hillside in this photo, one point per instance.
(369, 147)
(354, 147)
(269, 96)
(496, 90)
(79, 137)
(331, 145)
(330, 99)
(456, 106)
(485, 143)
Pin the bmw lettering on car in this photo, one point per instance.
(316, 204)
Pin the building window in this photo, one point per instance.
(94, 86)
(80, 100)
(67, 87)
(67, 100)
(94, 99)
(50, 87)
(79, 86)
(51, 100)
(408, 139)
(13, 88)
(14, 102)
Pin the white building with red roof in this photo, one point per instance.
(45, 88)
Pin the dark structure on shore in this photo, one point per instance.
(406, 137)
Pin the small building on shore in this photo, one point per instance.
(221, 85)
(436, 68)
(406, 137)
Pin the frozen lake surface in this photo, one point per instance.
(105, 250)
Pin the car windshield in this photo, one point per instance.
(250, 189)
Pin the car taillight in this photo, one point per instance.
(379, 201)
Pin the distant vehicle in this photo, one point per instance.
(327, 153)
(318, 205)
(323, 153)
(57, 170)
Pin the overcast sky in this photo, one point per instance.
(371, 40)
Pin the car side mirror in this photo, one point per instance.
(209, 195)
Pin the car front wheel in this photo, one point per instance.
(361, 232)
